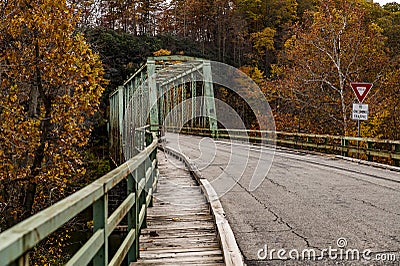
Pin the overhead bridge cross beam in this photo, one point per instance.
(171, 91)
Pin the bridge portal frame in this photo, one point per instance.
(164, 84)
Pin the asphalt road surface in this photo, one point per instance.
(295, 208)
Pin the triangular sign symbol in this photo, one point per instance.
(361, 89)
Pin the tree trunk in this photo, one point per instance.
(33, 104)
(31, 186)
(344, 113)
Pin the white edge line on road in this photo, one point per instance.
(230, 248)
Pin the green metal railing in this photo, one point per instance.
(378, 150)
(141, 173)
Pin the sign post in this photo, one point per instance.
(360, 111)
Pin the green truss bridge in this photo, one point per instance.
(194, 185)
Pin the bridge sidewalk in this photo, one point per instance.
(181, 230)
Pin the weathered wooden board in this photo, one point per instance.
(180, 229)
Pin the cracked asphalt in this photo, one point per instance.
(301, 202)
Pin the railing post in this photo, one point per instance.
(133, 217)
(100, 213)
(309, 140)
(24, 260)
(137, 209)
(396, 149)
(121, 110)
(156, 172)
(143, 194)
(345, 143)
(326, 143)
(148, 138)
(151, 181)
(369, 147)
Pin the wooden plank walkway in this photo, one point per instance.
(181, 230)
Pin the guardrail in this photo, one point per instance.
(378, 150)
(141, 173)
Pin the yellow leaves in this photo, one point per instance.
(82, 171)
(72, 83)
(375, 28)
(89, 224)
(13, 98)
(254, 73)
(81, 119)
(162, 52)
(290, 43)
(264, 40)
(377, 126)
(277, 71)
(52, 250)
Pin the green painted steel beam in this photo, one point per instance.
(178, 74)
(209, 97)
(193, 93)
(183, 105)
(174, 58)
(153, 95)
(175, 103)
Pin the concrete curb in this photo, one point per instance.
(230, 249)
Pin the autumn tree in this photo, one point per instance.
(267, 13)
(267, 24)
(212, 24)
(392, 7)
(389, 21)
(264, 44)
(51, 82)
(89, 12)
(334, 46)
(138, 17)
(384, 118)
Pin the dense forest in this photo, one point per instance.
(59, 60)
(303, 54)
